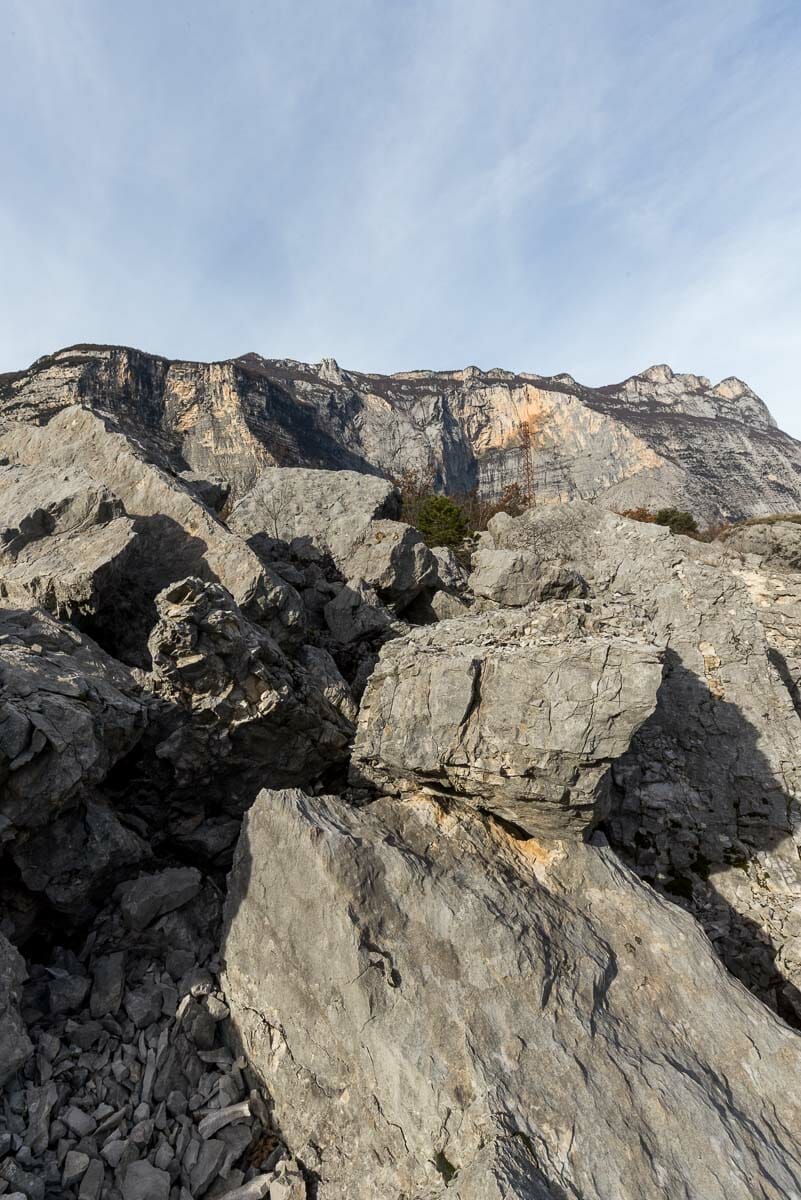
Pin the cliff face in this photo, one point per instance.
(657, 438)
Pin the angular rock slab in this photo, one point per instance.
(333, 508)
(520, 715)
(515, 1020)
(393, 558)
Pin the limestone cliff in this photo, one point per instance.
(657, 438)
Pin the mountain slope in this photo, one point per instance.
(656, 438)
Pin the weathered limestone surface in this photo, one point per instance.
(464, 1007)
(393, 558)
(520, 715)
(775, 543)
(65, 542)
(333, 508)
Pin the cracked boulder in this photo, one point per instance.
(471, 1015)
(518, 714)
(393, 559)
(776, 543)
(706, 800)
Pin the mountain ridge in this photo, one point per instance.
(658, 437)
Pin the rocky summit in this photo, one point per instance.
(339, 864)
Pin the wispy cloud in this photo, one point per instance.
(585, 186)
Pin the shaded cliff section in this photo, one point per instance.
(657, 438)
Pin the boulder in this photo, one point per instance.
(65, 542)
(706, 801)
(451, 575)
(393, 559)
(239, 706)
(333, 508)
(355, 614)
(151, 896)
(177, 534)
(15, 1045)
(472, 1015)
(518, 714)
(77, 855)
(68, 713)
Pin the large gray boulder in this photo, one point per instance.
(706, 800)
(393, 558)
(15, 1045)
(346, 515)
(518, 714)
(469, 1015)
(68, 713)
(176, 534)
(240, 708)
(77, 855)
(65, 542)
(333, 508)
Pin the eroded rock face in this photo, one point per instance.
(520, 715)
(776, 543)
(494, 1014)
(243, 707)
(65, 543)
(393, 558)
(332, 508)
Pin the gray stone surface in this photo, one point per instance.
(248, 707)
(65, 542)
(333, 508)
(356, 614)
(68, 712)
(15, 1045)
(518, 714)
(152, 895)
(706, 801)
(459, 994)
(393, 559)
(177, 535)
(774, 543)
(143, 1181)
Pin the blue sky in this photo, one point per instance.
(588, 186)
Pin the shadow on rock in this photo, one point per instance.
(700, 813)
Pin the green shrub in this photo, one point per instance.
(442, 522)
(677, 520)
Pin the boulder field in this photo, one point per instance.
(334, 867)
